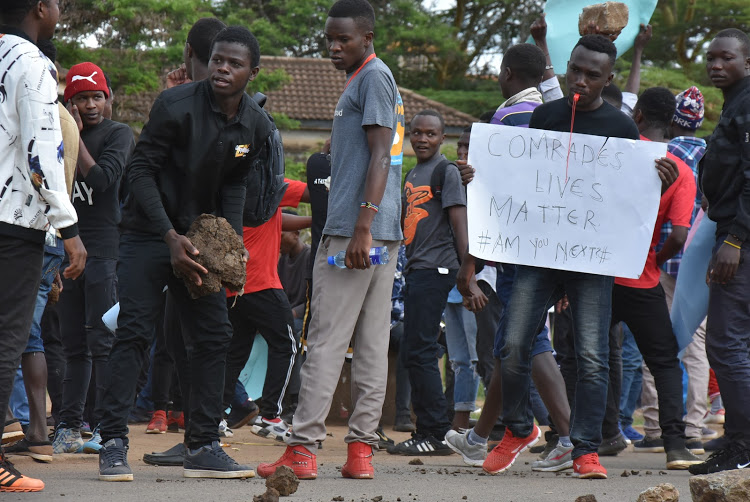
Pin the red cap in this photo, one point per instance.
(85, 77)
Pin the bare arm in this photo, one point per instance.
(379, 140)
(674, 243)
(291, 222)
(641, 40)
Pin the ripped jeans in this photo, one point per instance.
(461, 338)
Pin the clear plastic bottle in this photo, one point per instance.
(378, 256)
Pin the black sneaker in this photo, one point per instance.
(384, 442)
(174, 457)
(695, 445)
(612, 446)
(404, 424)
(428, 446)
(241, 415)
(211, 461)
(649, 445)
(681, 459)
(719, 443)
(398, 448)
(732, 457)
(113, 461)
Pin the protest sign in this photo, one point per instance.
(532, 204)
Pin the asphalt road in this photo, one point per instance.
(74, 477)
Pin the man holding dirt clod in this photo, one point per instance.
(193, 157)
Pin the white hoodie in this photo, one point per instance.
(32, 175)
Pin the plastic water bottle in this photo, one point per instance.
(378, 256)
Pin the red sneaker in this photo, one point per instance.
(358, 462)
(158, 423)
(505, 453)
(13, 481)
(588, 467)
(298, 458)
(175, 421)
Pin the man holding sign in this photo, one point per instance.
(536, 289)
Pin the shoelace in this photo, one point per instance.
(587, 460)
(117, 455)
(222, 455)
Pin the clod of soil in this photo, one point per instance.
(271, 495)
(337, 498)
(415, 461)
(586, 498)
(625, 474)
(283, 480)
(221, 252)
(54, 294)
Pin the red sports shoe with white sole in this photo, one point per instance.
(298, 458)
(505, 453)
(358, 462)
(588, 467)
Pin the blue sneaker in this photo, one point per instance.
(94, 444)
(67, 440)
(632, 434)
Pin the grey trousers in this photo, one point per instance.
(347, 305)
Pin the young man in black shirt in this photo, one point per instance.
(104, 150)
(193, 157)
(535, 289)
(725, 181)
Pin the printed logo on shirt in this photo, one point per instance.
(415, 196)
(82, 191)
(338, 113)
(326, 182)
(241, 150)
(397, 149)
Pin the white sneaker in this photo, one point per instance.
(473, 455)
(274, 428)
(224, 430)
(558, 459)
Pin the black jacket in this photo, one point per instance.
(725, 168)
(190, 160)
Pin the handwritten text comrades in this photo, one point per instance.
(532, 204)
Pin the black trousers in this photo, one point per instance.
(646, 313)
(143, 271)
(488, 320)
(19, 284)
(53, 353)
(266, 312)
(86, 341)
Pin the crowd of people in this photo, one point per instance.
(93, 223)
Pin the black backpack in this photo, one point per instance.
(265, 181)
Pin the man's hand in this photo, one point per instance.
(245, 256)
(562, 304)
(76, 116)
(178, 77)
(643, 37)
(76, 256)
(180, 250)
(539, 30)
(467, 172)
(358, 250)
(466, 281)
(668, 172)
(724, 264)
(704, 203)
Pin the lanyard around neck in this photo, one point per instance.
(369, 58)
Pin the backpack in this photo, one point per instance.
(265, 181)
(437, 178)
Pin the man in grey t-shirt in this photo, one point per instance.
(364, 206)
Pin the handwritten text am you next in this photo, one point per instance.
(532, 204)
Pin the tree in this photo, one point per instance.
(682, 28)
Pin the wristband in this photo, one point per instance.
(549, 67)
(370, 205)
(732, 244)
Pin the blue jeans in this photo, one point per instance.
(425, 298)
(535, 290)
(461, 337)
(632, 376)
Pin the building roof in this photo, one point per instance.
(315, 87)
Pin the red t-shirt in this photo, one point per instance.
(263, 244)
(676, 205)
